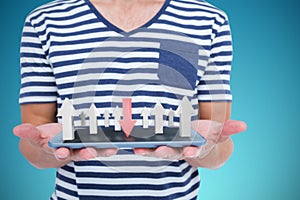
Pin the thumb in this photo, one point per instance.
(27, 131)
(233, 127)
(49, 130)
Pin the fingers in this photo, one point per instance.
(88, 153)
(83, 154)
(143, 151)
(106, 152)
(170, 153)
(190, 152)
(200, 152)
(163, 152)
(62, 154)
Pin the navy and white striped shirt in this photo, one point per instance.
(69, 50)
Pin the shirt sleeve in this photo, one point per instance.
(37, 79)
(214, 85)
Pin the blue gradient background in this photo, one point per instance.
(265, 83)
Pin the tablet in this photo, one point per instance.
(107, 137)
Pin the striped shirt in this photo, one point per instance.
(69, 50)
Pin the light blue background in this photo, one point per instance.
(265, 83)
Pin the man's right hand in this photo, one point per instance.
(34, 146)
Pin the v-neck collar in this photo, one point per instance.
(119, 30)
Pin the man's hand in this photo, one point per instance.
(38, 137)
(214, 132)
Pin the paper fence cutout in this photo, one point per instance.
(122, 118)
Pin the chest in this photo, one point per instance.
(94, 55)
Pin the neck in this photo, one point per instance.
(119, 3)
(128, 14)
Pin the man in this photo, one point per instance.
(98, 51)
